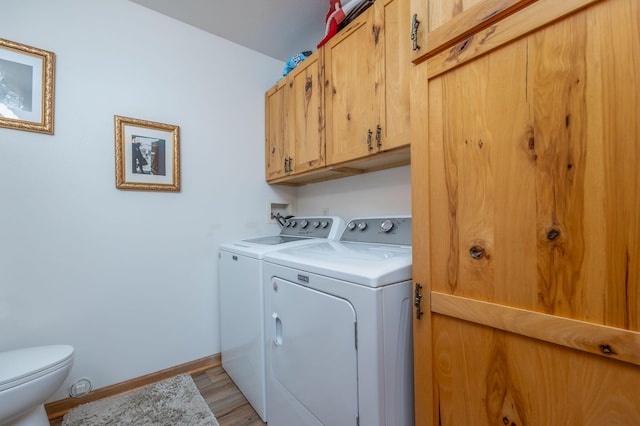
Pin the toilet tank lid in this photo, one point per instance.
(19, 363)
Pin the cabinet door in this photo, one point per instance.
(308, 116)
(395, 122)
(528, 243)
(278, 132)
(354, 87)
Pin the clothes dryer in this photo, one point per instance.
(240, 276)
(339, 328)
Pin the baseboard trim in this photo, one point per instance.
(57, 409)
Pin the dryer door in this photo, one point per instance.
(313, 364)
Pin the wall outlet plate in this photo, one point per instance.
(80, 388)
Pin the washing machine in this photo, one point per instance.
(240, 276)
(339, 328)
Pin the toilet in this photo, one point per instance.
(28, 377)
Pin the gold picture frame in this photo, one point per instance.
(147, 155)
(26, 87)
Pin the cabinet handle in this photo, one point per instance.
(378, 136)
(417, 301)
(369, 136)
(287, 164)
(414, 31)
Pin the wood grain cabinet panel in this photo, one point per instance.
(396, 132)
(295, 121)
(363, 98)
(308, 113)
(367, 84)
(278, 133)
(354, 86)
(527, 205)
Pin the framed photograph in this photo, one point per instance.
(26, 87)
(147, 155)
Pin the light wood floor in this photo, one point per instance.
(223, 397)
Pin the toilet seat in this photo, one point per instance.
(23, 365)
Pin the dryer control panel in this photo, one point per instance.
(379, 230)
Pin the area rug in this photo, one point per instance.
(175, 401)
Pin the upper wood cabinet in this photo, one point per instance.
(526, 199)
(277, 133)
(367, 84)
(295, 121)
(397, 71)
(352, 119)
(354, 88)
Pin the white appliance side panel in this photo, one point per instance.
(242, 327)
(313, 356)
(397, 305)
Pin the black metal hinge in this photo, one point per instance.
(417, 301)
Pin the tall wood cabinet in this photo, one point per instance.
(526, 211)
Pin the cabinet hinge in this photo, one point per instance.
(414, 32)
(417, 300)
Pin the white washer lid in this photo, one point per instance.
(16, 365)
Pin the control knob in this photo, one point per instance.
(386, 226)
(351, 226)
(316, 223)
(304, 223)
(324, 224)
(362, 226)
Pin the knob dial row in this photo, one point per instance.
(386, 226)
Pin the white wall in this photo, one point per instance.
(387, 192)
(127, 277)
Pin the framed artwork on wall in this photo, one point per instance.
(26, 87)
(147, 155)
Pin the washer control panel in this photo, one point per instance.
(316, 227)
(379, 230)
